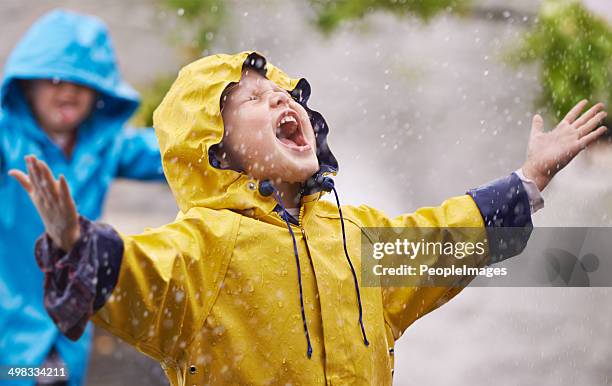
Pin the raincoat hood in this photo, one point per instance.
(77, 49)
(188, 124)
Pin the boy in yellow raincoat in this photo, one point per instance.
(255, 282)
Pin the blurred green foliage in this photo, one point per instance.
(574, 50)
(199, 20)
(151, 97)
(572, 46)
(202, 17)
(330, 13)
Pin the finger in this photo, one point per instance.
(32, 175)
(22, 178)
(575, 111)
(592, 137)
(588, 115)
(537, 124)
(43, 183)
(46, 180)
(591, 124)
(50, 181)
(37, 182)
(65, 197)
(37, 195)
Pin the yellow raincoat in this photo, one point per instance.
(214, 295)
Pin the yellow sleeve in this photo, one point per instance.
(403, 305)
(168, 281)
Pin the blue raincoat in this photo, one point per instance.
(70, 47)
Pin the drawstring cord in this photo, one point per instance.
(299, 272)
(328, 183)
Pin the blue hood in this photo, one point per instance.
(77, 48)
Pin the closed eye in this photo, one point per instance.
(256, 95)
(278, 89)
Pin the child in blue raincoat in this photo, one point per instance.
(63, 100)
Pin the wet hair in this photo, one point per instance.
(226, 94)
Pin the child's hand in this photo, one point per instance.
(52, 200)
(549, 152)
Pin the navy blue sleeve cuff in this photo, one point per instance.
(505, 210)
(110, 256)
(79, 282)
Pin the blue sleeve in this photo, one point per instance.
(139, 156)
(505, 210)
(3, 168)
(3, 164)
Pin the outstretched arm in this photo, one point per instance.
(140, 158)
(148, 289)
(500, 204)
(78, 281)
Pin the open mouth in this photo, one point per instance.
(289, 132)
(67, 110)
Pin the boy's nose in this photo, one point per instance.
(278, 98)
(69, 88)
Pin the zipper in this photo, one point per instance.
(300, 219)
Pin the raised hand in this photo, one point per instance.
(549, 152)
(52, 200)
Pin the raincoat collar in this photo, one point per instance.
(189, 125)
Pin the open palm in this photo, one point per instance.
(548, 152)
(52, 200)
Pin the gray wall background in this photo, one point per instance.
(418, 113)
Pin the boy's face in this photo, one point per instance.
(267, 133)
(59, 107)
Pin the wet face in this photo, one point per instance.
(267, 133)
(59, 107)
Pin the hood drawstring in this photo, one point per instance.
(299, 272)
(328, 185)
(266, 189)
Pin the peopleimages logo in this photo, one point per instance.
(445, 272)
